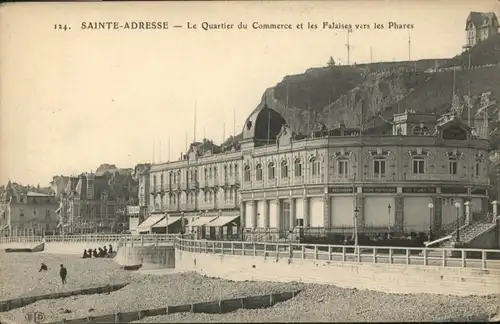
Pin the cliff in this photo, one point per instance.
(358, 94)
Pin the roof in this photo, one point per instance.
(263, 123)
(482, 19)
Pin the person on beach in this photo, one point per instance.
(85, 255)
(63, 273)
(43, 267)
(100, 254)
(110, 251)
(105, 252)
(94, 253)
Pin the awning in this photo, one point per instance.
(149, 222)
(222, 221)
(203, 220)
(171, 220)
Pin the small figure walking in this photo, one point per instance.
(63, 273)
(43, 267)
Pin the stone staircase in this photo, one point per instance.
(467, 233)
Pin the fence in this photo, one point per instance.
(130, 239)
(470, 258)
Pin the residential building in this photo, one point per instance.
(98, 202)
(480, 26)
(27, 213)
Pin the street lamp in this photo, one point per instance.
(457, 206)
(356, 213)
(431, 206)
(389, 207)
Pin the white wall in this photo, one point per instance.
(299, 208)
(261, 205)
(272, 214)
(449, 213)
(416, 214)
(316, 205)
(377, 213)
(342, 211)
(248, 215)
(389, 278)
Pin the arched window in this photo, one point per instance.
(206, 173)
(315, 166)
(298, 168)
(210, 173)
(258, 172)
(270, 171)
(161, 181)
(225, 172)
(284, 169)
(230, 170)
(215, 172)
(246, 174)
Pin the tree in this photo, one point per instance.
(331, 62)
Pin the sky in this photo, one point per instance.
(73, 100)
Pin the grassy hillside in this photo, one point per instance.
(358, 94)
(487, 52)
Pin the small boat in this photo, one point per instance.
(13, 250)
(132, 267)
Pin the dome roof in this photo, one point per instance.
(262, 124)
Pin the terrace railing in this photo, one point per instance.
(465, 258)
(130, 238)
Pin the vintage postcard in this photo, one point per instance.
(244, 161)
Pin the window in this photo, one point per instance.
(21, 212)
(342, 167)
(154, 182)
(225, 195)
(258, 172)
(452, 166)
(298, 168)
(246, 174)
(270, 171)
(225, 173)
(206, 174)
(210, 173)
(215, 172)
(161, 180)
(478, 168)
(284, 169)
(230, 194)
(230, 170)
(315, 167)
(379, 167)
(418, 166)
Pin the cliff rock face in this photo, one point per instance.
(358, 95)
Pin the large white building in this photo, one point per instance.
(410, 180)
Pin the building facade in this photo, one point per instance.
(416, 179)
(97, 202)
(30, 213)
(480, 26)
